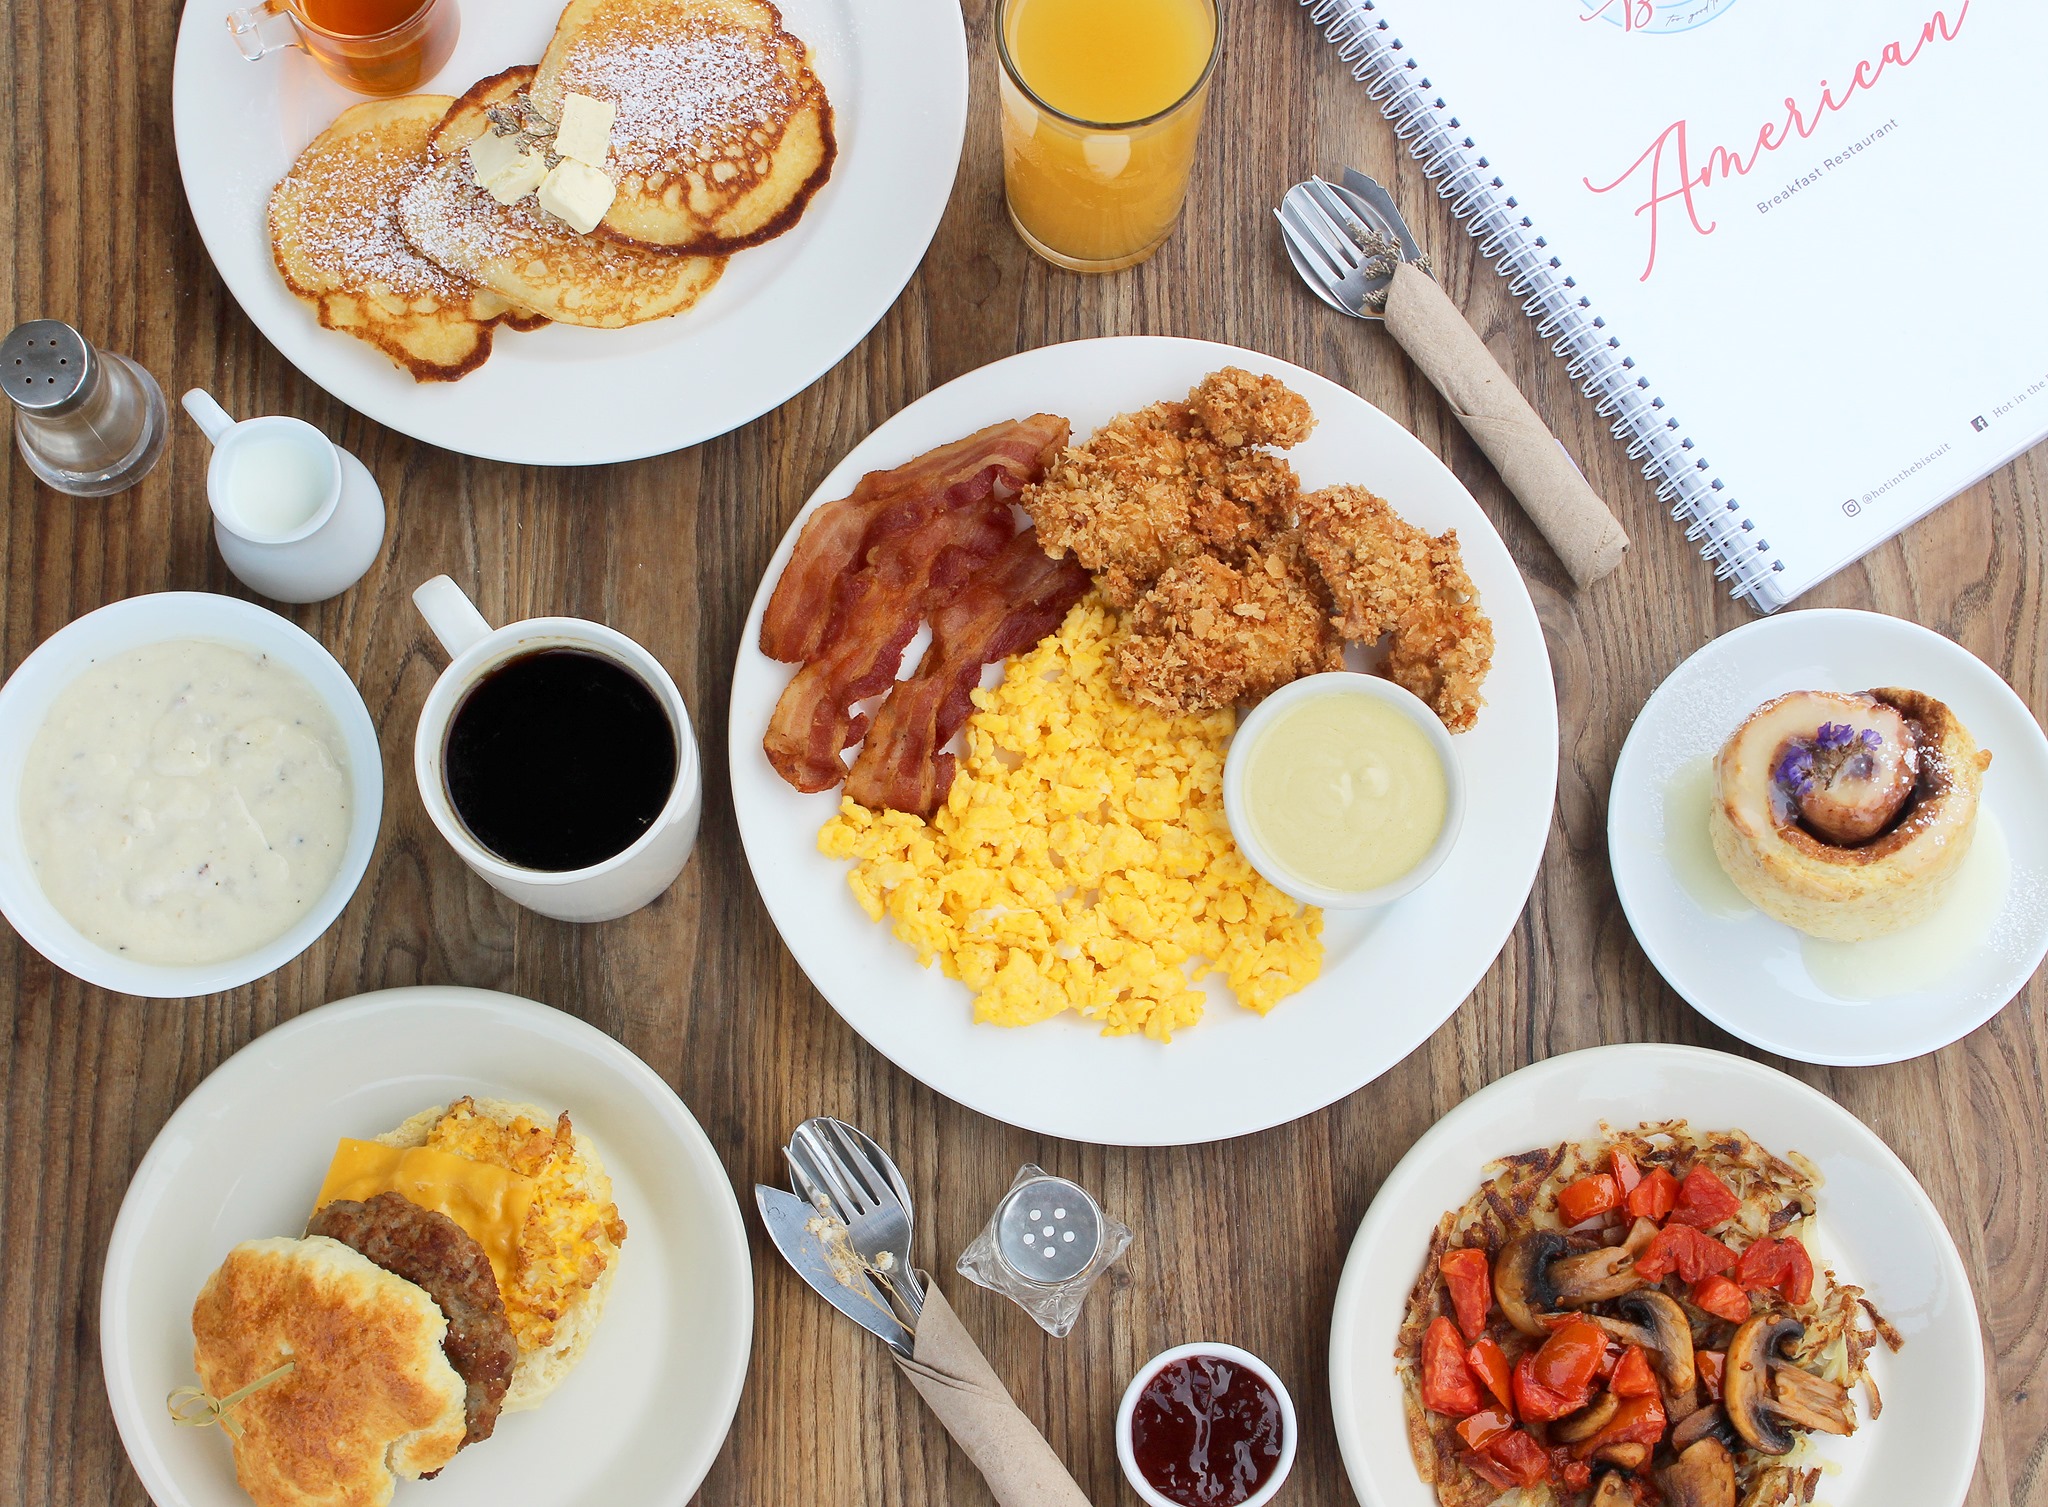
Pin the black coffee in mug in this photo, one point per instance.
(560, 759)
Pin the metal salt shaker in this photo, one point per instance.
(88, 422)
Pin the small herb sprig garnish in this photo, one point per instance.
(520, 117)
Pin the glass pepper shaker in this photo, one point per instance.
(88, 422)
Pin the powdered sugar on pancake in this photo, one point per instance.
(345, 219)
(690, 98)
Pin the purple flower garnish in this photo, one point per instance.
(1871, 739)
(1833, 735)
(1794, 773)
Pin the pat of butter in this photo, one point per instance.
(585, 134)
(578, 194)
(490, 154)
(526, 174)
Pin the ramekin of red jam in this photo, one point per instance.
(1206, 1425)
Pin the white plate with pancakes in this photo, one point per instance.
(1881, 1233)
(1759, 978)
(640, 1418)
(1389, 978)
(781, 314)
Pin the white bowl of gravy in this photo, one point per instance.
(1343, 790)
(190, 790)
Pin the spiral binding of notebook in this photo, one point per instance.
(1564, 316)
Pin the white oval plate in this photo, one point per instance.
(65, 655)
(781, 315)
(1881, 1231)
(1390, 977)
(639, 1421)
(1746, 972)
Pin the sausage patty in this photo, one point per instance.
(434, 1252)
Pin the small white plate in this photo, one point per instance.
(781, 315)
(1736, 966)
(639, 1421)
(1390, 977)
(1881, 1233)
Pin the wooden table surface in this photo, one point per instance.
(1240, 1241)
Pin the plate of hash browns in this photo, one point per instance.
(983, 702)
(1654, 1274)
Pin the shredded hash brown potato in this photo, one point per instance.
(1778, 1197)
(1082, 860)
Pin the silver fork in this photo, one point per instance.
(1352, 248)
(1346, 260)
(848, 1176)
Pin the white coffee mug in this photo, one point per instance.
(622, 883)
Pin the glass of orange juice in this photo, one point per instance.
(1102, 105)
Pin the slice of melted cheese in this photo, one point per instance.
(490, 1203)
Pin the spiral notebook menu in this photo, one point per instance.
(1793, 246)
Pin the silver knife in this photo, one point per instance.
(802, 1234)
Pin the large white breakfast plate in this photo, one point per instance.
(642, 1417)
(1736, 966)
(1390, 978)
(1880, 1231)
(782, 314)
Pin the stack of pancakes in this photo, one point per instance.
(722, 135)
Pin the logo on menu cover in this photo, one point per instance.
(1673, 178)
(1653, 17)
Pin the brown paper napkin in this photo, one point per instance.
(955, 1379)
(1557, 499)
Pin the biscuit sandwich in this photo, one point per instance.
(454, 1269)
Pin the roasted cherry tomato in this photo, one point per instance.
(1720, 1297)
(1704, 1201)
(1681, 1248)
(1469, 1276)
(1490, 1470)
(1490, 1364)
(1639, 1420)
(1570, 1359)
(1711, 1364)
(1588, 1197)
(1448, 1385)
(1485, 1426)
(1632, 1375)
(1626, 1173)
(1653, 1197)
(1572, 1475)
(1536, 1403)
(1526, 1460)
(1777, 1265)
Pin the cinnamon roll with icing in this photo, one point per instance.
(1847, 815)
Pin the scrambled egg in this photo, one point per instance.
(573, 1231)
(1082, 860)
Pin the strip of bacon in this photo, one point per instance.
(922, 552)
(1010, 604)
(836, 538)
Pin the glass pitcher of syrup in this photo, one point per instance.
(370, 46)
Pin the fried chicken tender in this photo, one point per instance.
(1387, 576)
(1157, 486)
(1239, 409)
(1210, 634)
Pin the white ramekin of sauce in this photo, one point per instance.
(162, 927)
(1343, 790)
(1206, 1425)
